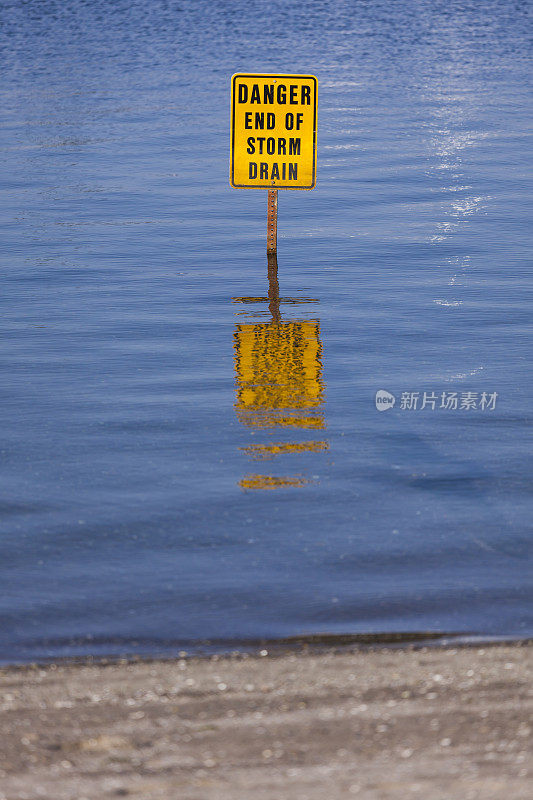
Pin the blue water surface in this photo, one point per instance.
(178, 465)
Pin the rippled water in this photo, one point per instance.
(186, 456)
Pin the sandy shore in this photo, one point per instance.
(433, 723)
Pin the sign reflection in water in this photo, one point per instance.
(278, 366)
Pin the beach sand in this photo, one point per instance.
(433, 723)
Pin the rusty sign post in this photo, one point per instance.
(273, 137)
(272, 221)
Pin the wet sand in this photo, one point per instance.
(435, 723)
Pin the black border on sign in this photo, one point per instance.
(232, 152)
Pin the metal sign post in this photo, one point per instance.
(272, 222)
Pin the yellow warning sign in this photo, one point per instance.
(273, 131)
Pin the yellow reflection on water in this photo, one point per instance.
(263, 452)
(278, 381)
(271, 482)
(279, 374)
